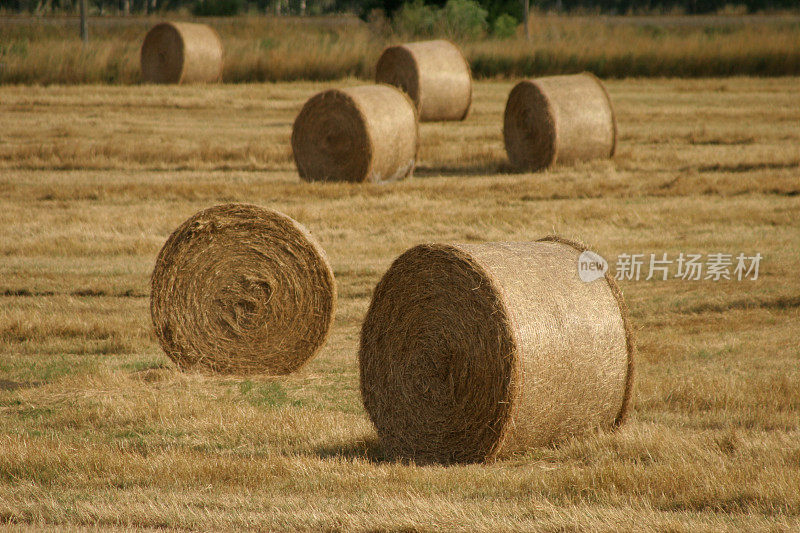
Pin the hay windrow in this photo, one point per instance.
(357, 134)
(558, 119)
(434, 74)
(242, 289)
(181, 52)
(473, 351)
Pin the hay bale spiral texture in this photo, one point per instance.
(434, 74)
(181, 52)
(558, 119)
(469, 351)
(366, 133)
(242, 289)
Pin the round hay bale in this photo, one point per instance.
(468, 351)
(181, 52)
(364, 133)
(434, 74)
(559, 119)
(242, 289)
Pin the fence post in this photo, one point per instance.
(526, 5)
(84, 22)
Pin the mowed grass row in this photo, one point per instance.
(48, 50)
(725, 128)
(99, 427)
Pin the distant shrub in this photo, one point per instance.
(416, 19)
(458, 19)
(464, 19)
(217, 8)
(505, 26)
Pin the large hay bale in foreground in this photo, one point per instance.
(468, 351)
(434, 74)
(181, 52)
(242, 289)
(559, 119)
(364, 133)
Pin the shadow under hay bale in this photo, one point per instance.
(434, 74)
(558, 119)
(181, 52)
(368, 450)
(480, 170)
(242, 289)
(470, 351)
(356, 134)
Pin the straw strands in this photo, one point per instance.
(558, 119)
(366, 133)
(181, 52)
(434, 74)
(242, 289)
(469, 351)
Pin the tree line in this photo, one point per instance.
(363, 8)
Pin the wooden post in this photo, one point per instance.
(526, 16)
(84, 22)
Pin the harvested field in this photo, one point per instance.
(100, 429)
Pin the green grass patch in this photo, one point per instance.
(270, 394)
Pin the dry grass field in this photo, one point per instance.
(98, 428)
(47, 50)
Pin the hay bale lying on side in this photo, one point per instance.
(468, 351)
(559, 119)
(181, 52)
(433, 73)
(242, 289)
(364, 133)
